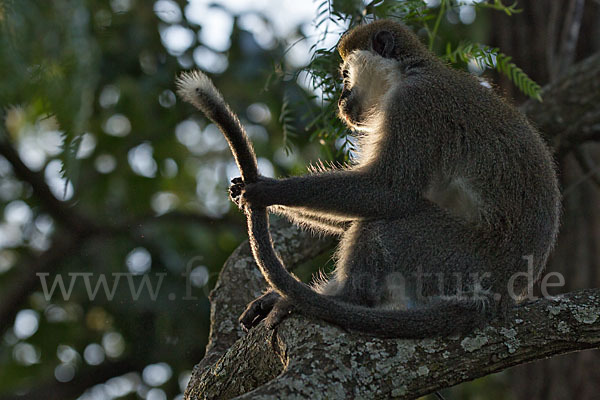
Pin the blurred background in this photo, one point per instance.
(114, 215)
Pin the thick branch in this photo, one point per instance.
(322, 361)
(315, 360)
(312, 359)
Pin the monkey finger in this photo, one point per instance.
(235, 191)
(237, 181)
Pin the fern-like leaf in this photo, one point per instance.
(489, 57)
(499, 6)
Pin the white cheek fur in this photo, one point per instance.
(371, 78)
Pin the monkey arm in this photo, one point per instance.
(339, 194)
(328, 224)
(316, 221)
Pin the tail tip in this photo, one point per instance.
(191, 84)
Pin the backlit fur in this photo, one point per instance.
(452, 188)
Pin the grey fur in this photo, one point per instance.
(453, 188)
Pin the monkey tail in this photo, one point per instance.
(198, 89)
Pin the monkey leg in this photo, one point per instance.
(317, 222)
(270, 306)
(419, 260)
(283, 307)
(362, 265)
(441, 258)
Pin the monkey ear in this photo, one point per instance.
(383, 44)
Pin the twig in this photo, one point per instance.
(551, 39)
(59, 210)
(591, 171)
(26, 281)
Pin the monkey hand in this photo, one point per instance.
(235, 192)
(252, 194)
(270, 306)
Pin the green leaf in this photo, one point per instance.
(484, 55)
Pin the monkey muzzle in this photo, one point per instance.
(349, 110)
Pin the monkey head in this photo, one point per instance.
(373, 56)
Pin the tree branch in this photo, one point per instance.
(77, 229)
(322, 361)
(57, 209)
(27, 280)
(84, 380)
(570, 114)
(589, 168)
(569, 36)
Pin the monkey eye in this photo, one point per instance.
(345, 74)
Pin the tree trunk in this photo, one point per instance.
(538, 41)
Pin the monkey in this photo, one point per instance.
(452, 192)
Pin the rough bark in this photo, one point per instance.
(241, 282)
(311, 359)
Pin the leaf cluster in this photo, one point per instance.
(487, 57)
(427, 21)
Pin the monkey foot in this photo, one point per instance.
(258, 309)
(270, 307)
(282, 308)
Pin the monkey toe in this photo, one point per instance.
(282, 309)
(257, 310)
(235, 190)
(252, 316)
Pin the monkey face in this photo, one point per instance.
(367, 78)
(349, 106)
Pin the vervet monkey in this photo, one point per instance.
(451, 190)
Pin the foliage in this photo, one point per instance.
(89, 88)
(422, 18)
(487, 57)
